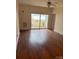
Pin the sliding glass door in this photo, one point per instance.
(39, 21)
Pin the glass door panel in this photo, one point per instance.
(35, 18)
(44, 21)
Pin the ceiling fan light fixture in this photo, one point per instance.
(49, 4)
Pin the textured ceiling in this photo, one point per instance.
(43, 3)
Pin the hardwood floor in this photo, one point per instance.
(39, 44)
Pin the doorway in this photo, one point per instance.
(39, 21)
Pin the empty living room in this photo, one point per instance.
(39, 29)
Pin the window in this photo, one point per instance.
(39, 21)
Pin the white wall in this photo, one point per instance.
(57, 15)
(59, 20)
(17, 22)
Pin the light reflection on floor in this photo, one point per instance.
(38, 37)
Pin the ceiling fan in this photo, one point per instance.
(50, 4)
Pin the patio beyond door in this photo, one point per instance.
(39, 21)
